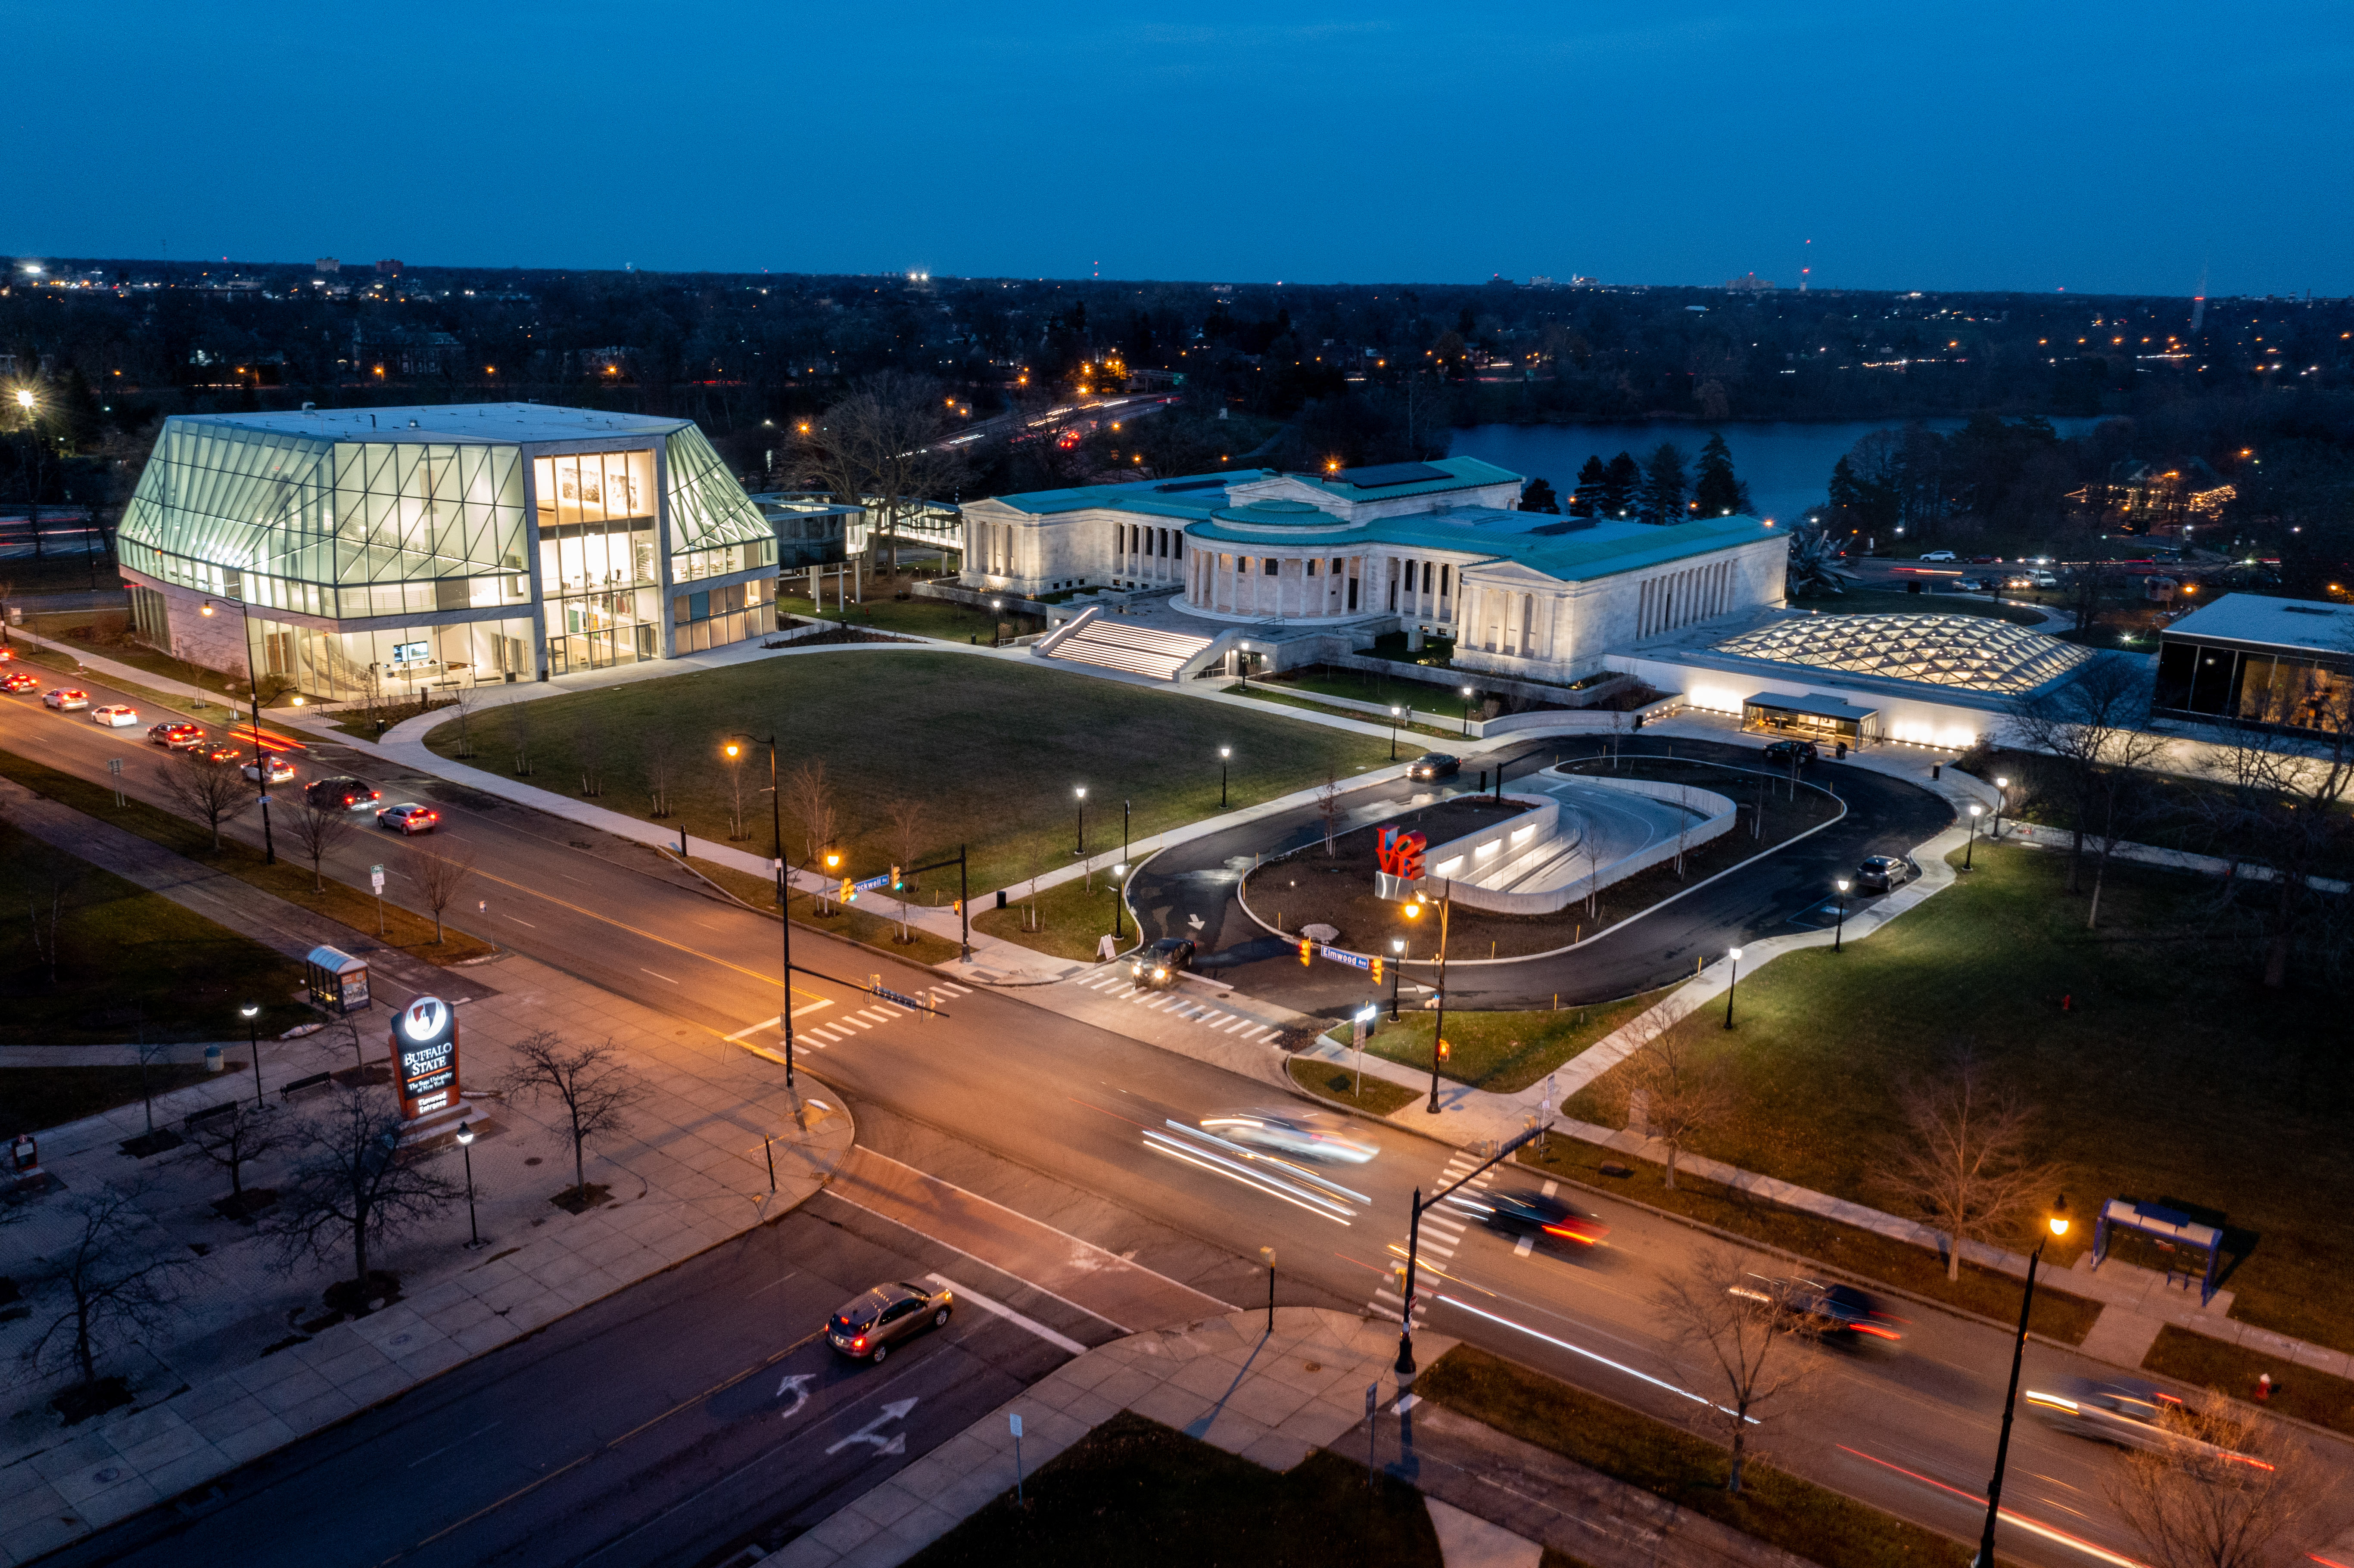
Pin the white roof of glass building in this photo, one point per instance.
(2303, 623)
(1973, 653)
(448, 423)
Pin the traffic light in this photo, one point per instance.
(1377, 969)
(1306, 948)
(1445, 1050)
(894, 879)
(848, 894)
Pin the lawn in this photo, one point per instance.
(1503, 1053)
(132, 964)
(410, 932)
(1283, 696)
(2297, 1390)
(1817, 1523)
(993, 749)
(880, 610)
(1066, 920)
(1375, 1096)
(1140, 1495)
(2161, 1069)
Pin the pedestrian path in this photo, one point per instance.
(851, 1022)
(1114, 981)
(1442, 1232)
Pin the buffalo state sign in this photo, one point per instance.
(425, 1056)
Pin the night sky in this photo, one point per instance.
(2097, 147)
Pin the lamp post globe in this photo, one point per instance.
(1839, 938)
(1466, 710)
(1226, 755)
(2001, 798)
(1081, 792)
(466, 1147)
(251, 1013)
(1968, 854)
(1395, 715)
(1731, 979)
(1397, 972)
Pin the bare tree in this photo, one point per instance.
(211, 790)
(238, 1136)
(318, 829)
(519, 732)
(465, 699)
(590, 741)
(1684, 1092)
(881, 448)
(2090, 725)
(910, 820)
(596, 1087)
(809, 801)
(119, 1276)
(1329, 808)
(355, 1185)
(660, 767)
(2226, 1492)
(1740, 1327)
(1963, 1160)
(440, 878)
(52, 880)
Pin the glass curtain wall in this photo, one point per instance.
(597, 561)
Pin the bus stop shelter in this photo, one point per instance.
(1815, 717)
(2171, 1229)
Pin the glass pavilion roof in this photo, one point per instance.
(1976, 653)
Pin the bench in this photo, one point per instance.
(197, 1121)
(304, 1085)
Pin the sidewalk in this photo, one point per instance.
(252, 1361)
(1273, 1397)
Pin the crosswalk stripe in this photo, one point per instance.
(1263, 1028)
(954, 989)
(1237, 1023)
(1441, 1249)
(861, 1022)
(881, 1014)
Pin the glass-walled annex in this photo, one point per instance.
(376, 557)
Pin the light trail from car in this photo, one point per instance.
(1676, 1389)
(2032, 1526)
(1297, 1197)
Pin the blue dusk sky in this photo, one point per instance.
(2097, 147)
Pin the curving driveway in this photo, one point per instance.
(1189, 891)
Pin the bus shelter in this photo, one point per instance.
(339, 983)
(1815, 717)
(2173, 1231)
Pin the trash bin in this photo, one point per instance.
(212, 1059)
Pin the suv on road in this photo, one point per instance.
(351, 794)
(408, 819)
(1785, 752)
(1939, 555)
(176, 733)
(1433, 765)
(1158, 965)
(867, 1326)
(1835, 1314)
(1884, 873)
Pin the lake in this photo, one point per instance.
(1787, 466)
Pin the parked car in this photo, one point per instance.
(1309, 1134)
(1968, 585)
(1525, 1212)
(1884, 873)
(1986, 560)
(1783, 753)
(1835, 1314)
(1939, 555)
(19, 680)
(280, 768)
(408, 819)
(2127, 1412)
(351, 794)
(1433, 765)
(176, 733)
(1157, 964)
(114, 715)
(64, 697)
(867, 1327)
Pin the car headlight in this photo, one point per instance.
(1160, 974)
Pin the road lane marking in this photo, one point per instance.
(517, 918)
(823, 1001)
(1524, 1247)
(966, 1293)
(437, 1453)
(642, 969)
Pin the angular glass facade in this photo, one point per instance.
(393, 549)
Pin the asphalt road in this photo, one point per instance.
(1050, 1117)
(1196, 881)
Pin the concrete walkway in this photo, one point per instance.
(250, 1360)
(1274, 1395)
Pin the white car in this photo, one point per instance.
(1307, 1133)
(64, 697)
(114, 715)
(1940, 555)
(280, 770)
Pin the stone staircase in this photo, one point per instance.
(1115, 644)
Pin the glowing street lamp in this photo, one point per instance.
(1976, 811)
(1840, 936)
(466, 1146)
(251, 1013)
(2056, 1223)
(734, 749)
(1466, 710)
(1731, 979)
(1082, 793)
(1395, 714)
(1225, 754)
(2001, 798)
(1397, 971)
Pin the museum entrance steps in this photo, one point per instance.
(1137, 650)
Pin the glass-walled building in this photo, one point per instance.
(392, 550)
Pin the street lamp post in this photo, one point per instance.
(784, 910)
(260, 766)
(1082, 793)
(1394, 716)
(2058, 1226)
(1397, 972)
(251, 1013)
(1975, 809)
(2001, 798)
(1467, 711)
(1840, 937)
(1225, 754)
(1438, 1031)
(1118, 900)
(466, 1147)
(1732, 979)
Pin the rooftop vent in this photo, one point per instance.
(310, 407)
(412, 424)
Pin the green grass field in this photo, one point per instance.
(1504, 1053)
(993, 749)
(2169, 1075)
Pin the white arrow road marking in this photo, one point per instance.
(1195, 921)
(894, 1410)
(797, 1384)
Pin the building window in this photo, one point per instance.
(1270, 566)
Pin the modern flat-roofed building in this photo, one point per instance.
(2287, 663)
(390, 549)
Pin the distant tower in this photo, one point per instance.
(2198, 301)
(1807, 256)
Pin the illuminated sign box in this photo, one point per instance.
(425, 1056)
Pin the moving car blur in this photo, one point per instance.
(1308, 1134)
(2129, 1411)
(1836, 1314)
(1433, 765)
(1538, 1216)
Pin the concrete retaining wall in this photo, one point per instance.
(1720, 813)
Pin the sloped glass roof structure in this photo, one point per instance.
(1974, 652)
